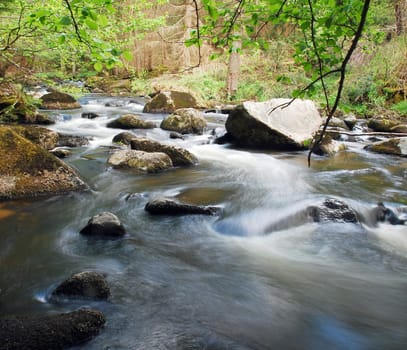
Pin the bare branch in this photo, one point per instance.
(344, 64)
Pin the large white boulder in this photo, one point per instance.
(274, 124)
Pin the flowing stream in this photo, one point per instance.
(253, 278)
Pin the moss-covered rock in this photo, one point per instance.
(130, 121)
(185, 121)
(17, 107)
(58, 100)
(170, 101)
(401, 128)
(179, 156)
(396, 146)
(46, 138)
(382, 124)
(141, 161)
(109, 85)
(123, 138)
(27, 170)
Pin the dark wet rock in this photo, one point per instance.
(382, 124)
(72, 141)
(179, 156)
(224, 139)
(169, 102)
(350, 121)
(333, 210)
(130, 121)
(61, 153)
(176, 135)
(168, 206)
(185, 121)
(50, 332)
(273, 124)
(90, 115)
(58, 100)
(88, 284)
(27, 170)
(123, 138)
(142, 161)
(384, 214)
(394, 146)
(104, 225)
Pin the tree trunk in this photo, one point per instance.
(234, 69)
(399, 11)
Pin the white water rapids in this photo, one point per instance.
(256, 277)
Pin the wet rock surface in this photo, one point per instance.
(395, 146)
(179, 156)
(130, 121)
(50, 332)
(104, 225)
(275, 124)
(27, 170)
(88, 284)
(169, 102)
(168, 206)
(58, 100)
(149, 162)
(185, 121)
(333, 210)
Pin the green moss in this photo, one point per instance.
(20, 156)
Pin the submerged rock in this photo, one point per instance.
(273, 124)
(50, 332)
(104, 224)
(86, 284)
(61, 153)
(27, 170)
(395, 146)
(130, 121)
(72, 141)
(168, 206)
(179, 156)
(90, 115)
(58, 100)
(139, 160)
(333, 210)
(169, 102)
(383, 214)
(185, 121)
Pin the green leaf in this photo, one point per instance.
(91, 24)
(103, 21)
(61, 39)
(65, 21)
(98, 66)
(127, 55)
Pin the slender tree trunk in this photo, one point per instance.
(234, 69)
(399, 11)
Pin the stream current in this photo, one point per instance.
(227, 282)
